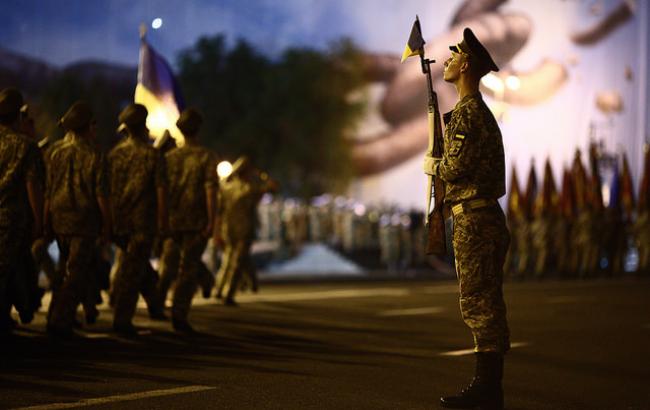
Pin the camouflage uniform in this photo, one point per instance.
(192, 171)
(238, 199)
(76, 177)
(136, 171)
(473, 168)
(18, 163)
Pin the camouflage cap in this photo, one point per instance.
(134, 116)
(10, 101)
(189, 121)
(471, 46)
(78, 117)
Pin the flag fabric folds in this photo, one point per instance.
(416, 42)
(158, 90)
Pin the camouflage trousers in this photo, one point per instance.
(148, 286)
(77, 255)
(191, 246)
(130, 276)
(234, 263)
(18, 278)
(170, 260)
(480, 240)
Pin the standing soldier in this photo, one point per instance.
(19, 185)
(473, 168)
(239, 195)
(78, 207)
(139, 209)
(192, 198)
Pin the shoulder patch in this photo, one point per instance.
(459, 136)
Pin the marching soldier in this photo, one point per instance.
(239, 195)
(20, 203)
(192, 204)
(139, 210)
(473, 168)
(77, 206)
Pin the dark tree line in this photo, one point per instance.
(290, 114)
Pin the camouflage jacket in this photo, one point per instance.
(136, 170)
(76, 176)
(238, 199)
(473, 164)
(190, 170)
(19, 161)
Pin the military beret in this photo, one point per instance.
(471, 46)
(189, 121)
(10, 101)
(78, 116)
(133, 116)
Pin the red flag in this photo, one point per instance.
(531, 192)
(627, 190)
(644, 201)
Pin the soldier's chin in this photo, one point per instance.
(448, 78)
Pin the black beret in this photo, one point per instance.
(470, 45)
(189, 121)
(10, 101)
(134, 116)
(78, 117)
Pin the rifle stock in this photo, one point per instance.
(436, 239)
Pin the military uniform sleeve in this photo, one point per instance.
(463, 152)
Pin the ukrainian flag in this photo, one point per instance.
(158, 90)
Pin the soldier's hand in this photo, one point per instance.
(430, 165)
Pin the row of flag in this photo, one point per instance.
(580, 190)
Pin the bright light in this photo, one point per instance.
(156, 23)
(157, 122)
(493, 82)
(224, 169)
(513, 83)
(359, 210)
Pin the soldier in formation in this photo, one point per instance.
(473, 168)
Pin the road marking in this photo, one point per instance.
(119, 398)
(325, 294)
(465, 352)
(412, 312)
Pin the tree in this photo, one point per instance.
(289, 115)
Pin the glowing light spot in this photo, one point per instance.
(493, 82)
(224, 169)
(156, 23)
(513, 82)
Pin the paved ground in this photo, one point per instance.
(382, 345)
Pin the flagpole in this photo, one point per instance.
(143, 31)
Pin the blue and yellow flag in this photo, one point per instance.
(158, 90)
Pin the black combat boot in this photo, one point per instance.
(485, 391)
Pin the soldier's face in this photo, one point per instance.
(453, 64)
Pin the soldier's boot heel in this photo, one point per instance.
(485, 391)
(476, 396)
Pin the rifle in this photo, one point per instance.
(434, 221)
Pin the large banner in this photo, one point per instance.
(571, 73)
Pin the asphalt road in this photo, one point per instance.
(379, 345)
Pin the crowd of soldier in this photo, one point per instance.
(135, 197)
(381, 236)
(575, 231)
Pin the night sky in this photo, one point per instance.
(61, 32)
